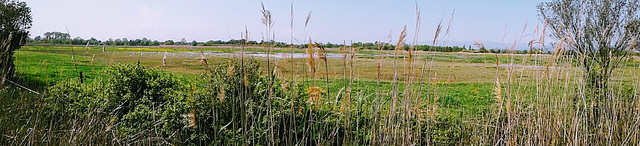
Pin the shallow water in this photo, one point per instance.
(524, 66)
(237, 53)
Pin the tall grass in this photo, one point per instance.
(413, 98)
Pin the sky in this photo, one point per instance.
(335, 21)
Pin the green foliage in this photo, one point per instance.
(139, 100)
(440, 48)
(168, 42)
(15, 20)
(483, 50)
(138, 95)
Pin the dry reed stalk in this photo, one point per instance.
(311, 59)
(344, 51)
(375, 124)
(110, 125)
(231, 69)
(344, 108)
(291, 86)
(73, 54)
(221, 94)
(192, 118)
(92, 67)
(203, 59)
(447, 32)
(322, 55)
(164, 59)
(92, 59)
(86, 48)
(244, 88)
(498, 95)
(409, 117)
(438, 30)
(394, 96)
(430, 111)
(315, 97)
(246, 80)
(268, 22)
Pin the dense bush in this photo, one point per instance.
(229, 103)
(137, 102)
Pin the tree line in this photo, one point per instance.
(60, 38)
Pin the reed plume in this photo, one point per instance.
(86, 48)
(164, 59)
(315, 97)
(311, 58)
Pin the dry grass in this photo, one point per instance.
(537, 99)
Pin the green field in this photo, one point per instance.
(455, 101)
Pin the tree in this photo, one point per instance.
(125, 41)
(168, 42)
(183, 41)
(15, 20)
(194, 43)
(601, 34)
(482, 50)
(93, 41)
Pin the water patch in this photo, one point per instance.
(237, 53)
(524, 66)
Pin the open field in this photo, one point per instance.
(445, 67)
(457, 91)
(568, 75)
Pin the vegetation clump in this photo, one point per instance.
(15, 20)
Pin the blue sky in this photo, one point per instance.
(331, 20)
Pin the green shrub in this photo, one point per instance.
(227, 104)
(138, 102)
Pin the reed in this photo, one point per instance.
(528, 99)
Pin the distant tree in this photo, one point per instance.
(15, 20)
(168, 42)
(194, 43)
(145, 42)
(77, 40)
(109, 41)
(482, 50)
(209, 43)
(125, 42)
(117, 42)
(47, 35)
(93, 41)
(183, 41)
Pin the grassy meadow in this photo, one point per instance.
(373, 98)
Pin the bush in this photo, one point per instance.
(228, 104)
(137, 102)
